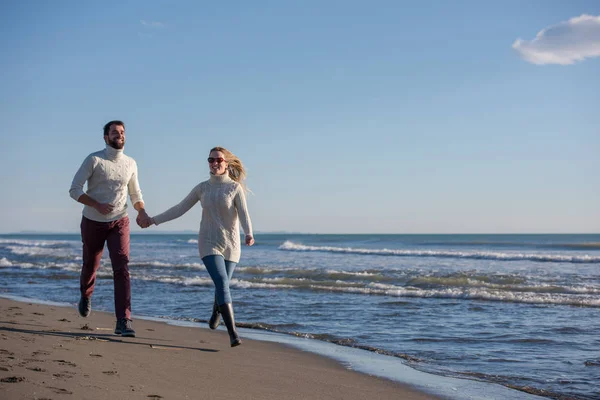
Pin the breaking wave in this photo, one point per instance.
(477, 255)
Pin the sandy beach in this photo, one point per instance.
(50, 352)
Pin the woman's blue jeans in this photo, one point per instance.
(221, 271)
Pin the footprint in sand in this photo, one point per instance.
(37, 313)
(154, 396)
(65, 362)
(12, 379)
(89, 338)
(5, 354)
(28, 361)
(110, 372)
(59, 390)
(40, 352)
(63, 320)
(86, 327)
(64, 374)
(36, 369)
(27, 339)
(4, 369)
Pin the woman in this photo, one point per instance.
(223, 209)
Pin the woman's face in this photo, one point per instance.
(216, 163)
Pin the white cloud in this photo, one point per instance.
(152, 24)
(565, 43)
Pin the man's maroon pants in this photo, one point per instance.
(116, 236)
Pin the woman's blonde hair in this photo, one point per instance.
(235, 169)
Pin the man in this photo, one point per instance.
(110, 176)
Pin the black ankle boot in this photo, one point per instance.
(215, 318)
(227, 313)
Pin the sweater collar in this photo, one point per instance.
(112, 153)
(217, 179)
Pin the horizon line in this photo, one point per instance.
(188, 232)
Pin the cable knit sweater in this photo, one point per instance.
(223, 209)
(110, 175)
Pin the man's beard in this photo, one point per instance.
(116, 144)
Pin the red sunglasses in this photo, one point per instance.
(219, 160)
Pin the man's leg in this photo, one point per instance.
(118, 248)
(93, 235)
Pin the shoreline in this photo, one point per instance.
(338, 367)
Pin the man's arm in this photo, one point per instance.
(102, 208)
(76, 190)
(135, 194)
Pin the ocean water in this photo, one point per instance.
(522, 311)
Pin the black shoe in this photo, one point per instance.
(84, 306)
(226, 311)
(124, 328)
(215, 318)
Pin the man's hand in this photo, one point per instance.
(103, 208)
(145, 222)
(249, 240)
(143, 219)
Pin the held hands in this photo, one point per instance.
(249, 240)
(143, 219)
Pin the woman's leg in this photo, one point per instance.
(230, 266)
(215, 265)
(215, 317)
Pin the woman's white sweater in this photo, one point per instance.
(223, 209)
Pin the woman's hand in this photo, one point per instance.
(249, 240)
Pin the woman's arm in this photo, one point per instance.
(177, 211)
(244, 215)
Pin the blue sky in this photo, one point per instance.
(351, 117)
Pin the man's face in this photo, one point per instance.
(115, 137)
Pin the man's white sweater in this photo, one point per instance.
(110, 176)
(223, 209)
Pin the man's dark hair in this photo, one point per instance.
(108, 125)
